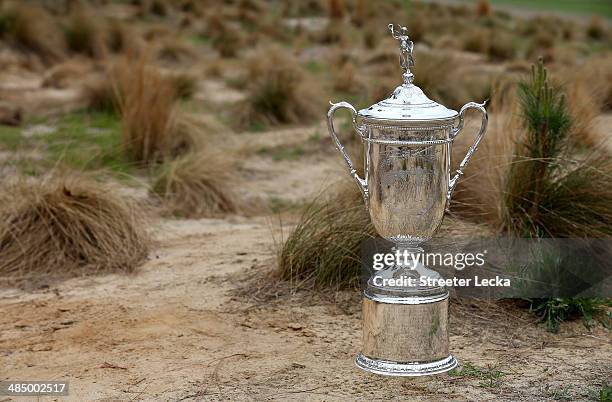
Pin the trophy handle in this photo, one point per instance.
(474, 147)
(363, 184)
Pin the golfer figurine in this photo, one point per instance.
(406, 46)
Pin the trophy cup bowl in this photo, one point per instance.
(406, 188)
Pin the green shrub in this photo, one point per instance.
(554, 311)
(548, 193)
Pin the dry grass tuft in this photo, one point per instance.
(382, 88)
(120, 38)
(186, 133)
(146, 105)
(584, 104)
(588, 90)
(250, 11)
(66, 74)
(529, 178)
(496, 44)
(483, 8)
(371, 36)
(84, 34)
(194, 7)
(345, 77)
(173, 51)
(336, 9)
(417, 25)
(324, 249)
(477, 196)
(435, 74)
(360, 13)
(279, 91)
(542, 45)
(596, 29)
(101, 94)
(152, 128)
(65, 226)
(197, 185)
(334, 33)
(476, 40)
(185, 84)
(32, 28)
(157, 33)
(432, 72)
(159, 8)
(225, 38)
(502, 46)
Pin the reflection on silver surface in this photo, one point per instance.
(407, 186)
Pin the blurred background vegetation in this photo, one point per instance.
(167, 98)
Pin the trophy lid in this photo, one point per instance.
(407, 102)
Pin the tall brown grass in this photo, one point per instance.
(67, 225)
(478, 194)
(437, 74)
(585, 105)
(198, 184)
(346, 78)
(120, 38)
(250, 11)
(31, 28)
(159, 8)
(185, 84)
(542, 45)
(551, 190)
(102, 94)
(360, 13)
(172, 50)
(596, 29)
(146, 105)
(152, 127)
(225, 38)
(84, 33)
(502, 46)
(476, 40)
(337, 9)
(324, 249)
(279, 91)
(66, 74)
(483, 8)
(530, 177)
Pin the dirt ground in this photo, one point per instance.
(193, 324)
(202, 319)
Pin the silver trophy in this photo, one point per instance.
(407, 187)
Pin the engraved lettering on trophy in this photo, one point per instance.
(406, 186)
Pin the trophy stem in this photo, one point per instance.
(407, 254)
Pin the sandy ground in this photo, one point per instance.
(192, 324)
(179, 330)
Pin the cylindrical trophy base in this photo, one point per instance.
(405, 336)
